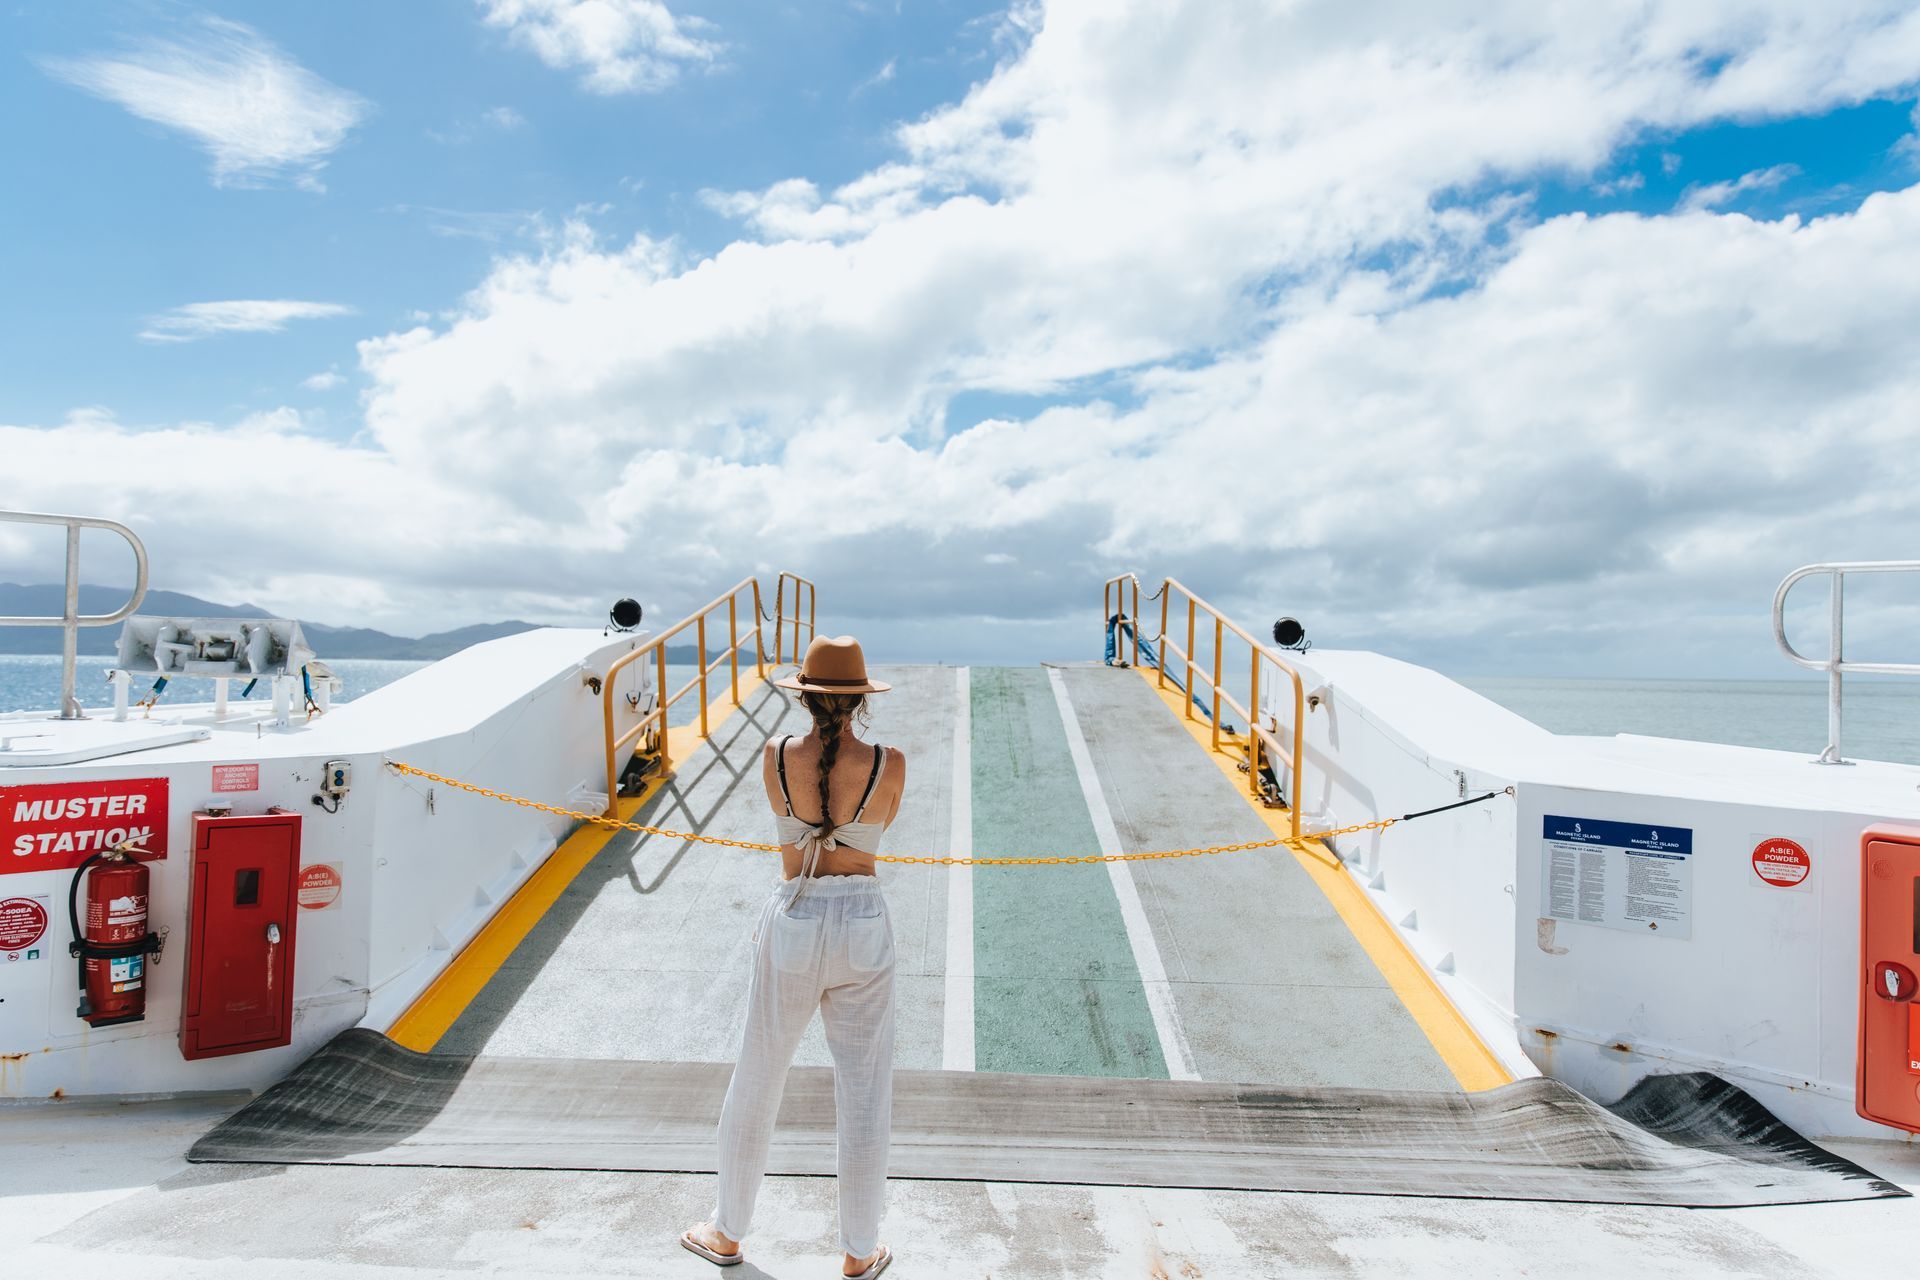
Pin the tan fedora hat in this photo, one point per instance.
(834, 664)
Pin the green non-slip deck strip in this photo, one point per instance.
(1056, 989)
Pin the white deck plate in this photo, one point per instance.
(30, 743)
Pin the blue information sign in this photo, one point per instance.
(1618, 875)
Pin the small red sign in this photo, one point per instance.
(55, 826)
(22, 923)
(319, 886)
(236, 777)
(1781, 862)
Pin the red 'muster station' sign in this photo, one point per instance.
(57, 825)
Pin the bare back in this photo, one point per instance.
(853, 768)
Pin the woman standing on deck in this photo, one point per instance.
(824, 942)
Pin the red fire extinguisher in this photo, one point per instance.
(113, 952)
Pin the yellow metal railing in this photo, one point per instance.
(1262, 739)
(618, 742)
(781, 617)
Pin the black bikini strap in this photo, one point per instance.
(879, 754)
(780, 758)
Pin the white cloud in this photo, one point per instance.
(1714, 194)
(1621, 185)
(1909, 147)
(260, 115)
(489, 225)
(505, 118)
(321, 503)
(199, 320)
(885, 74)
(326, 380)
(1225, 247)
(619, 46)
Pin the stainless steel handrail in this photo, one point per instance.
(1834, 664)
(72, 620)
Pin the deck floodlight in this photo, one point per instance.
(625, 614)
(1289, 634)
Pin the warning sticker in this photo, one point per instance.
(1780, 862)
(128, 973)
(319, 886)
(236, 777)
(23, 922)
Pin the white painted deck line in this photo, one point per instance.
(956, 1052)
(1146, 952)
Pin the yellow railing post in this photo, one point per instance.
(700, 630)
(1106, 613)
(759, 636)
(1189, 659)
(1299, 755)
(733, 644)
(1253, 727)
(813, 607)
(1165, 596)
(1136, 622)
(660, 703)
(1218, 633)
(613, 766)
(779, 619)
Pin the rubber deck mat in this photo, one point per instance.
(1680, 1140)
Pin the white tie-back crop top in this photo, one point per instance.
(815, 839)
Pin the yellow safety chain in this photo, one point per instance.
(601, 820)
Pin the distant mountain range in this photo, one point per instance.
(327, 641)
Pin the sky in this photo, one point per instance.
(1522, 338)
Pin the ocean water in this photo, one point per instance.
(1882, 716)
(31, 682)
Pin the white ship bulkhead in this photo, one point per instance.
(417, 879)
(1763, 989)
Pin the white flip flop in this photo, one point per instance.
(693, 1246)
(881, 1258)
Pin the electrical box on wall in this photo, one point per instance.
(337, 779)
(242, 917)
(1887, 1083)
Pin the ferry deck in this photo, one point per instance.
(532, 1100)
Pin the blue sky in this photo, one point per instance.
(961, 307)
(114, 218)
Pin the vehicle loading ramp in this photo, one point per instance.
(1682, 1140)
(644, 953)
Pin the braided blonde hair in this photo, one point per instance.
(832, 713)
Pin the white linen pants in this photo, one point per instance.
(832, 951)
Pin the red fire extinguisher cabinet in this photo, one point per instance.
(241, 926)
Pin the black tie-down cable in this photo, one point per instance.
(1457, 804)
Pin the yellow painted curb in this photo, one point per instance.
(467, 974)
(1466, 1055)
